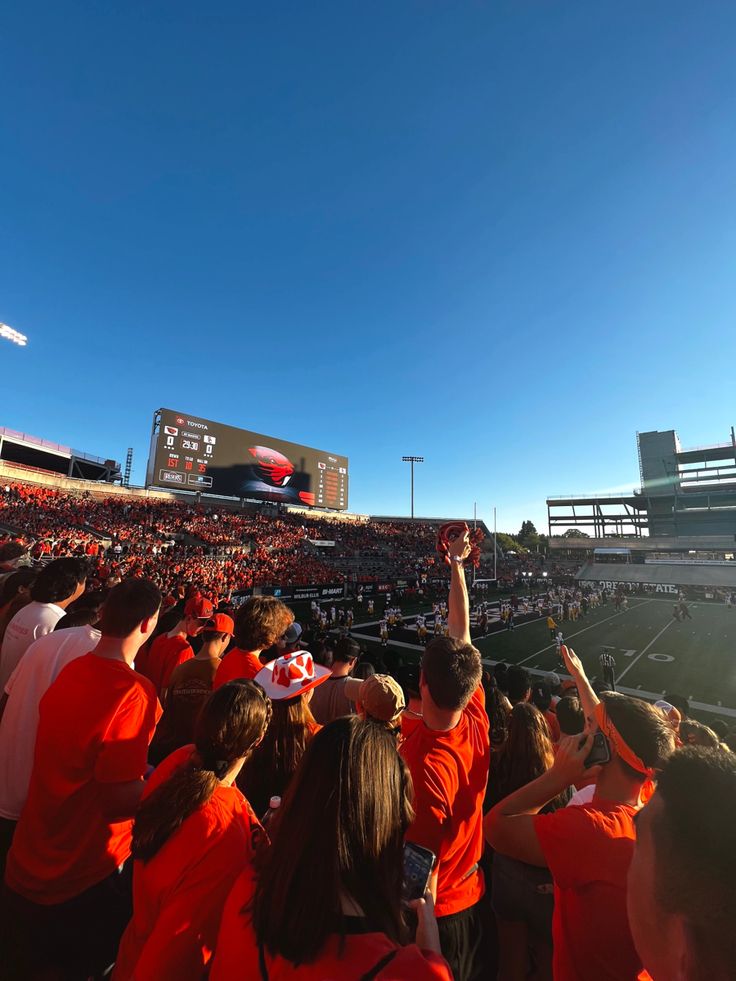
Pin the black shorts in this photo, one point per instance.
(461, 940)
(523, 893)
(74, 939)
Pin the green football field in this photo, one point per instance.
(654, 653)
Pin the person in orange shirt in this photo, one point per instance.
(259, 623)
(189, 688)
(67, 885)
(173, 648)
(448, 753)
(682, 878)
(289, 681)
(326, 899)
(194, 834)
(588, 848)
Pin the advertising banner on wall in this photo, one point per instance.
(650, 587)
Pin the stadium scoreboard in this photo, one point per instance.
(189, 453)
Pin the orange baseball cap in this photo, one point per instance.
(222, 623)
(199, 608)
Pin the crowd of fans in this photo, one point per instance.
(184, 788)
(225, 550)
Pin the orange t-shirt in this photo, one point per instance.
(179, 894)
(588, 850)
(236, 954)
(165, 654)
(450, 772)
(237, 664)
(95, 723)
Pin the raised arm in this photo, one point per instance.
(458, 617)
(588, 698)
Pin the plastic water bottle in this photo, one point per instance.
(273, 806)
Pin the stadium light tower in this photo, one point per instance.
(412, 460)
(13, 335)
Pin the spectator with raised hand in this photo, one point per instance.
(448, 754)
(193, 835)
(682, 878)
(259, 623)
(67, 895)
(55, 588)
(588, 848)
(588, 698)
(326, 899)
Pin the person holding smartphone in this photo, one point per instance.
(588, 848)
(327, 899)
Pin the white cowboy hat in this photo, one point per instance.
(291, 675)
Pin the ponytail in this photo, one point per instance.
(166, 809)
(232, 722)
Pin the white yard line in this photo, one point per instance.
(643, 652)
(391, 643)
(591, 626)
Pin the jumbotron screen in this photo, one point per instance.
(189, 453)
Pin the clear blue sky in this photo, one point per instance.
(498, 234)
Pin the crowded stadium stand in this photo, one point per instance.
(221, 546)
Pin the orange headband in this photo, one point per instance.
(619, 743)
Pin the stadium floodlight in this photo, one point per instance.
(412, 460)
(13, 335)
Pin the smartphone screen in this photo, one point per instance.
(600, 751)
(418, 865)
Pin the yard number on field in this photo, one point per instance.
(661, 658)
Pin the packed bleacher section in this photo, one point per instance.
(188, 788)
(223, 549)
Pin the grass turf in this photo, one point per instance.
(654, 653)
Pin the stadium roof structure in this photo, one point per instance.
(32, 452)
(684, 492)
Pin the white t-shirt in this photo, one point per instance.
(29, 623)
(582, 796)
(39, 668)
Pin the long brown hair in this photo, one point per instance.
(527, 752)
(232, 721)
(340, 835)
(274, 762)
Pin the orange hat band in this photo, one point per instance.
(623, 750)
